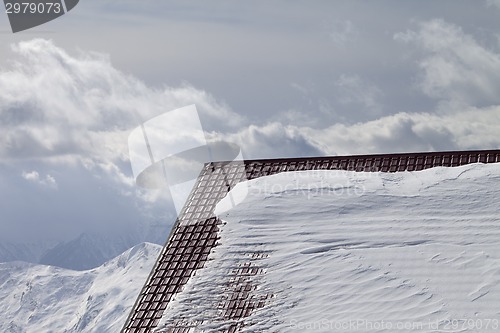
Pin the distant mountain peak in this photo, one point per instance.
(39, 298)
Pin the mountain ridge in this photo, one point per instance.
(42, 298)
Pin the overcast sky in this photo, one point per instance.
(280, 78)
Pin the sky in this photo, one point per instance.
(280, 79)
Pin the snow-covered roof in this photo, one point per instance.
(257, 277)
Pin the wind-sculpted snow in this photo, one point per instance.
(361, 252)
(38, 298)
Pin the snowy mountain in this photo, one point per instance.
(39, 298)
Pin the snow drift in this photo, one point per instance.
(362, 252)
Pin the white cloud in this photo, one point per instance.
(342, 32)
(271, 141)
(59, 108)
(352, 89)
(493, 3)
(65, 120)
(456, 69)
(34, 176)
(470, 129)
(67, 117)
(31, 176)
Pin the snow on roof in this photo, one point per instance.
(316, 251)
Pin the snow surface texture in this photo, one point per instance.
(38, 298)
(361, 252)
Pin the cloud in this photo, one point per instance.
(353, 90)
(58, 108)
(493, 3)
(272, 140)
(342, 32)
(456, 69)
(34, 176)
(65, 120)
(67, 117)
(55, 105)
(470, 129)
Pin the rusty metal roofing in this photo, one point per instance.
(195, 233)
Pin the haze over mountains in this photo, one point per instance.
(87, 251)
